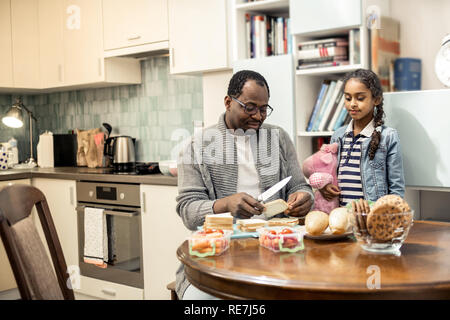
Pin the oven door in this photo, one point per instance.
(124, 234)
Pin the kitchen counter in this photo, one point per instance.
(86, 174)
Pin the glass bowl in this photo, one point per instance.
(383, 232)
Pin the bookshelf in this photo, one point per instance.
(281, 82)
(309, 82)
(278, 8)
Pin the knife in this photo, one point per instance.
(272, 190)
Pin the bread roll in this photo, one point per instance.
(316, 222)
(338, 220)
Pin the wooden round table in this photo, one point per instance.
(328, 269)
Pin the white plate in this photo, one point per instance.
(327, 235)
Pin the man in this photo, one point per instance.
(228, 165)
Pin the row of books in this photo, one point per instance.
(267, 35)
(329, 112)
(329, 52)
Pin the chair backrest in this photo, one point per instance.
(29, 261)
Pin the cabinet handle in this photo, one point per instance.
(134, 37)
(60, 72)
(171, 57)
(109, 292)
(100, 67)
(72, 202)
(143, 203)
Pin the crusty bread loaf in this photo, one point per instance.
(274, 207)
(316, 222)
(283, 222)
(338, 220)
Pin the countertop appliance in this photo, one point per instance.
(65, 150)
(121, 150)
(121, 205)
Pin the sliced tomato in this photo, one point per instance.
(286, 231)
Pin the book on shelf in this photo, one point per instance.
(331, 105)
(354, 47)
(267, 35)
(384, 49)
(324, 105)
(322, 65)
(336, 113)
(318, 142)
(319, 100)
(330, 42)
(322, 52)
(341, 119)
(333, 111)
(323, 59)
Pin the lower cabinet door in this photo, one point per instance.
(90, 288)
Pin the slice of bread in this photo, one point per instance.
(220, 218)
(283, 222)
(274, 207)
(250, 225)
(219, 221)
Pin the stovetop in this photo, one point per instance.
(140, 169)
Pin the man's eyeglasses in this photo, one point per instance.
(252, 109)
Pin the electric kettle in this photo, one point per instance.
(122, 153)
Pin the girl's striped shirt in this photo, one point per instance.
(349, 172)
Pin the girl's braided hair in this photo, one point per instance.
(240, 78)
(372, 82)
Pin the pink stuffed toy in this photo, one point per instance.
(321, 169)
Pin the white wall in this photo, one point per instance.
(423, 24)
(215, 86)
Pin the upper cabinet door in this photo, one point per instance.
(6, 72)
(83, 41)
(51, 43)
(314, 16)
(198, 35)
(134, 22)
(25, 43)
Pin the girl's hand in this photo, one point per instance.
(330, 191)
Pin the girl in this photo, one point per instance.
(370, 160)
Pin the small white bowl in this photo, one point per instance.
(168, 168)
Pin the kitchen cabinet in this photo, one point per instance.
(198, 42)
(135, 26)
(61, 199)
(83, 48)
(25, 43)
(323, 15)
(94, 289)
(51, 42)
(7, 280)
(6, 72)
(58, 44)
(162, 233)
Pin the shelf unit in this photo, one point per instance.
(240, 8)
(309, 81)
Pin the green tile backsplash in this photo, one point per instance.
(150, 112)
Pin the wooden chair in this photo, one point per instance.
(173, 293)
(28, 257)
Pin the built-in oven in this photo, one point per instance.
(120, 203)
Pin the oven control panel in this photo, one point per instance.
(111, 193)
